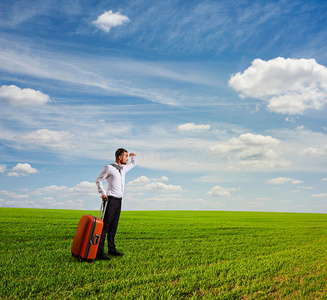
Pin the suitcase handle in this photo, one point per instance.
(96, 239)
(104, 208)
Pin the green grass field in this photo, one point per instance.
(168, 255)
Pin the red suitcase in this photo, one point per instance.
(87, 237)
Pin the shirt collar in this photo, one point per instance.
(118, 167)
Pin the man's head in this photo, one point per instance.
(121, 156)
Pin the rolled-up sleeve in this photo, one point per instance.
(131, 165)
(103, 175)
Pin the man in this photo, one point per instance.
(115, 175)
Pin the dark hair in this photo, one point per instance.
(119, 152)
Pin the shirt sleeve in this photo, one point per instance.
(130, 165)
(103, 175)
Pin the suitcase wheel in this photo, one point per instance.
(79, 258)
(91, 260)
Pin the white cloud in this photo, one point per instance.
(279, 180)
(85, 192)
(296, 102)
(312, 151)
(82, 188)
(68, 204)
(319, 196)
(244, 141)
(296, 181)
(16, 96)
(164, 198)
(59, 140)
(46, 203)
(221, 191)
(291, 119)
(13, 194)
(22, 170)
(163, 178)
(108, 20)
(282, 180)
(7, 203)
(139, 181)
(296, 146)
(193, 127)
(86, 188)
(48, 190)
(109, 75)
(306, 187)
(13, 174)
(291, 86)
(252, 150)
(55, 196)
(3, 168)
(20, 204)
(159, 186)
(164, 201)
(143, 180)
(145, 184)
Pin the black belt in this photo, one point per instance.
(115, 198)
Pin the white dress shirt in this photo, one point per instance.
(115, 176)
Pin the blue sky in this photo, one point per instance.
(224, 103)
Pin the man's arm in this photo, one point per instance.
(132, 164)
(103, 175)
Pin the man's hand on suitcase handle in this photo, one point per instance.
(104, 198)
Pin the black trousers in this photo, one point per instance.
(110, 224)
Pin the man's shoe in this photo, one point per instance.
(116, 253)
(102, 256)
